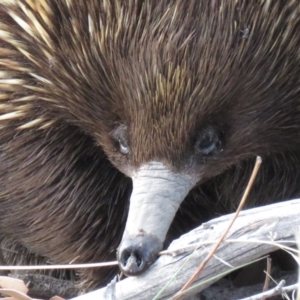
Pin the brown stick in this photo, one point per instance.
(240, 207)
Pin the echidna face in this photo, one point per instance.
(165, 162)
(174, 92)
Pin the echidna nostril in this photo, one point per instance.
(136, 254)
(136, 258)
(131, 260)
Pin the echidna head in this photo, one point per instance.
(173, 91)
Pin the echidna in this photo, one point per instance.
(174, 98)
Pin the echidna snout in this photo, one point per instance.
(156, 196)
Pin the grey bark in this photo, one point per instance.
(277, 222)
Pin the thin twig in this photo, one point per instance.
(297, 236)
(50, 267)
(268, 273)
(279, 289)
(213, 250)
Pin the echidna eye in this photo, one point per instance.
(206, 146)
(124, 149)
(120, 137)
(207, 142)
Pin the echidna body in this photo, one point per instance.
(176, 97)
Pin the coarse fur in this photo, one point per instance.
(73, 74)
(16, 254)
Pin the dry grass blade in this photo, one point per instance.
(240, 207)
(69, 266)
(14, 288)
(15, 294)
(13, 283)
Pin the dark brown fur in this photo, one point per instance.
(164, 69)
